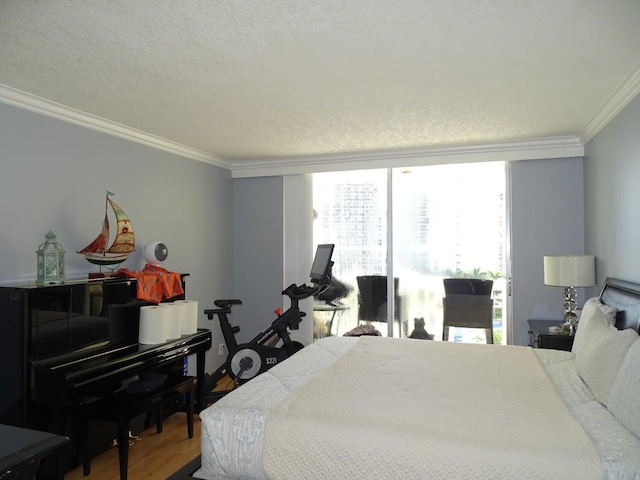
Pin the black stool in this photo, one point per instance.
(122, 407)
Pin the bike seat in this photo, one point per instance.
(225, 307)
(227, 303)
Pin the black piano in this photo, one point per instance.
(64, 345)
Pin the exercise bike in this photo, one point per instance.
(274, 344)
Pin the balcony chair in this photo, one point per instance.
(467, 303)
(372, 299)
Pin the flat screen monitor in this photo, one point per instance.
(321, 267)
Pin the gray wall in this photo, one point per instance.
(258, 210)
(54, 176)
(229, 235)
(546, 219)
(612, 196)
(272, 215)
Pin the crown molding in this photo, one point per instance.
(619, 99)
(541, 148)
(33, 103)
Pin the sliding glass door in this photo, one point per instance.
(448, 221)
(350, 210)
(398, 234)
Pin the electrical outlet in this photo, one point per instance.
(221, 349)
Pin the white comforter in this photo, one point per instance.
(390, 408)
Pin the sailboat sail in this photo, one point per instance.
(123, 244)
(125, 239)
(99, 245)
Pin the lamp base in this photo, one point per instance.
(570, 306)
(570, 323)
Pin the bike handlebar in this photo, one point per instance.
(298, 292)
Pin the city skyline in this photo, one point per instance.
(445, 218)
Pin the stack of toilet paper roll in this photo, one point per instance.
(167, 321)
(189, 310)
(174, 322)
(154, 321)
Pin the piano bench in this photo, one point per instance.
(122, 407)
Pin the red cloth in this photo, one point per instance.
(155, 283)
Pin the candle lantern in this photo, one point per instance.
(50, 256)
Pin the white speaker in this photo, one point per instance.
(155, 253)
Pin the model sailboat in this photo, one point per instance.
(124, 243)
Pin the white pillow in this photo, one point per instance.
(624, 401)
(593, 308)
(600, 355)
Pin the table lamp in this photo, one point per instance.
(569, 271)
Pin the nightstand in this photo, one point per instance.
(540, 337)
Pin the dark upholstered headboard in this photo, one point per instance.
(625, 296)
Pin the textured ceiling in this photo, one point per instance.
(248, 80)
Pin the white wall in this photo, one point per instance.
(54, 176)
(298, 237)
(612, 197)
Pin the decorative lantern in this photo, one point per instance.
(50, 261)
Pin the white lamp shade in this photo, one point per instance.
(569, 270)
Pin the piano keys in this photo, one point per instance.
(64, 380)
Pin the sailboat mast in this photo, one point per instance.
(106, 202)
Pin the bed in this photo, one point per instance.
(373, 407)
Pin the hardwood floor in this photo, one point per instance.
(155, 456)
